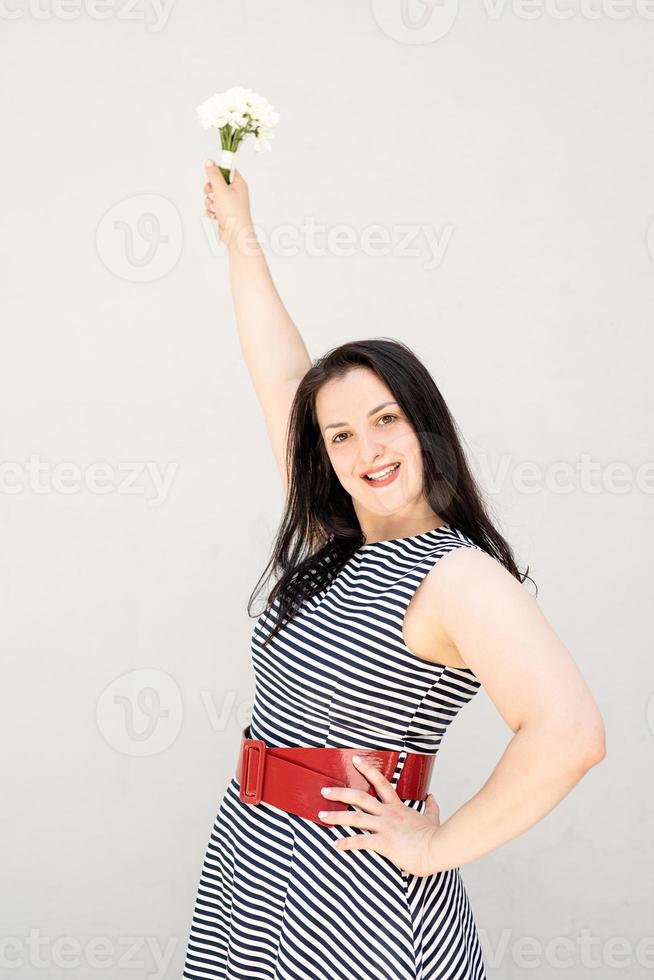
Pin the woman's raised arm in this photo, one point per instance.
(274, 352)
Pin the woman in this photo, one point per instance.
(396, 600)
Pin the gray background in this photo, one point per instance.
(522, 139)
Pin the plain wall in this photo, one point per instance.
(521, 141)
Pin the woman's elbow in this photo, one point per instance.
(589, 741)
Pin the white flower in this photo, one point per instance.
(244, 111)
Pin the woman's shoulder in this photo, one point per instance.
(465, 595)
(463, 564)
(464, 578)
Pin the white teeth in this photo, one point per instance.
(383, 473)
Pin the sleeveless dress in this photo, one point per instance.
(276, 900)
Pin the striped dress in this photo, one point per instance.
(276, 900)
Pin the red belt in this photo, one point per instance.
(291, 778)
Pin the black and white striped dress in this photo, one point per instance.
(276, 900)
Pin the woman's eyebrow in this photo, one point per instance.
(337, 425)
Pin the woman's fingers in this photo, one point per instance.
(226, 204)
(355, 797)
(382, 786)
(346, 818)
(217, 182)
(209, 199)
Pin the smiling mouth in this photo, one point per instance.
(383, 476)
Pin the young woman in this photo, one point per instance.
(396, 599)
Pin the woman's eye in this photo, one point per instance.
(337, 440)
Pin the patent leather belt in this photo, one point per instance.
(291, 778)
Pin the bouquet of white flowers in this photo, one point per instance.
(235, 114)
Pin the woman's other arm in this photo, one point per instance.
(274, 352)
(502, 635)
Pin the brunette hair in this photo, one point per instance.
(319, 530)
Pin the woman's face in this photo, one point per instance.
(364, 430)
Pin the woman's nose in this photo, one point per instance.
(371, 455)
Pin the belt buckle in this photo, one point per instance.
(252, 770)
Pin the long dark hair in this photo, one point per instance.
(319, 530)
